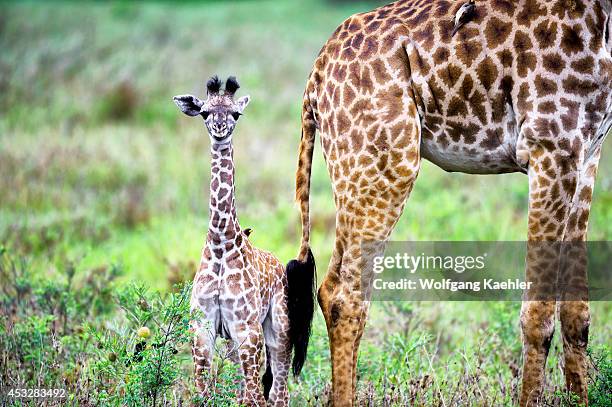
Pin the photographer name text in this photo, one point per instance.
(450, 285)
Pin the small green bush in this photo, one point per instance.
(138, 360)
(600, 389)
(103, 343)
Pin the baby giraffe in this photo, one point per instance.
(245, 294)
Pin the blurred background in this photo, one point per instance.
(99, 167)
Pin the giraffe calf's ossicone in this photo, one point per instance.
(244, 293)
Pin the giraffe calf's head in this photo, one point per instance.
(220, 111)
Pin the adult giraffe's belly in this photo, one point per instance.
(468, 121)
(467, 87)
(491, 155)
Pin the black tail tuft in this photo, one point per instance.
(301, 281)
(267, 379)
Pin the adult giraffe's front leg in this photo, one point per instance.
(574, 311)
(559, 181)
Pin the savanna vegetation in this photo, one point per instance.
(104, 201)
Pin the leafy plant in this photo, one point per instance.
(138, 359)
(600, 389)
(224, 379)
(103, 343)
(42, 341)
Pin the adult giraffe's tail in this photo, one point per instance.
(302, 176)
(301, 273)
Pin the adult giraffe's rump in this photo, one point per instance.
(524, 86)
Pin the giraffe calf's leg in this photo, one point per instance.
(278, 346)
(362, 323)
(202, 352)
(280, 362)
(249, 336)
(231, 352)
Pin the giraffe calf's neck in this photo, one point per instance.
(223, 225)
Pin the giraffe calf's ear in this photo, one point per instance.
(242, 103)
(190, 105)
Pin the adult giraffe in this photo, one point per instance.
(525, 86)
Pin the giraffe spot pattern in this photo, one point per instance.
(237, 287)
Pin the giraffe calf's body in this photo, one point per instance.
(245, 294)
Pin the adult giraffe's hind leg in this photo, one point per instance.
(371, 184)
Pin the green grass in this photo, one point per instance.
(99, 167)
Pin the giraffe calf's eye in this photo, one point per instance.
(236, 115)
(205, 114)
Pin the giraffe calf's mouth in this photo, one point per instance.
(220, 139)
